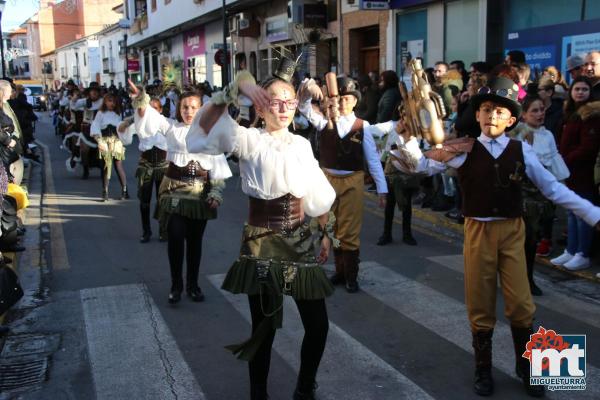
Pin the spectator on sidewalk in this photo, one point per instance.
(575, 66)
(515, 57)
(480, 69)
(390, 98)
(459, 66)
(27, 118)
(466, 124)
(579, 145)
(560, 85)
(440, 70)
(553, 105)
(16, 167)
(592, 69)
(367, 107)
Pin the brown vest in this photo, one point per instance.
(344, 154)
(492, 187)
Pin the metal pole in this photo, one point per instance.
(225, 67)
(2, 47)
(126, 60)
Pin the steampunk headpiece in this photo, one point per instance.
(286, 65)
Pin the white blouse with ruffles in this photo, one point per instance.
(271, 165)
(153, 123)
(102, 120)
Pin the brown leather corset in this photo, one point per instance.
(190, 173)
(154, 155)
(283, 214)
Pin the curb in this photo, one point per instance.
(437, 225)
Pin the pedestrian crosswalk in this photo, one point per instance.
(132, 353)
(350, 369)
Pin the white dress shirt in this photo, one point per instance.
(271, 164)
(102, 120)
(552, 189)
(153, 123)
(344, 125)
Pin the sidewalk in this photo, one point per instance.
(438, 225)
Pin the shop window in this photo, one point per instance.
(264, 64)
(155, 67)
(196, 70)
(252, 65)
(411, 39)
(462, 31)
(535, 13)
(592, 10)
(217, 75)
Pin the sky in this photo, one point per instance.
(16, 12)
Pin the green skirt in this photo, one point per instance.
(185, 199)
(273, 265)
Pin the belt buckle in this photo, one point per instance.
(262, 270)
(289, 274)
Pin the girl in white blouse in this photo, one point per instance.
(190, 191)
(110, 148)
(284, 183)
(539, 211)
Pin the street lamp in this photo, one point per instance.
(2, 5)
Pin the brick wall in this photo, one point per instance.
(361, 19)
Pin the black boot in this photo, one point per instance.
(86, 173)
(105, 195)
(124, 193)
(258, 392)
(338, 277)
(482, 344)
(520, 338)
(305, 392)
(407, 236)
(351, 262)
(147, 231)
(535, 290)
(388, 221)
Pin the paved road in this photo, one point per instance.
(405, 335)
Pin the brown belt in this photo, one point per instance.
(190, 173)
(154, 155)
(283, 214)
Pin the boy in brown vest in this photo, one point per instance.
(343, 151)
(490, 175)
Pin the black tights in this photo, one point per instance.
(390, 207)
(120, 173)
(185, 233)
(316, 324)
(145, 196)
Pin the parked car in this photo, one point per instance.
(35, 96)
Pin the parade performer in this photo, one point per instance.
(190, 192)
(110, 147)
(491, 170)
(88, 148)
(72, 117)
(151, 168)
(344, 146)
(284, 183)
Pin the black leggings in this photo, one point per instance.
(185, 233)
(145, 196)
(390, 207)
(316, 324)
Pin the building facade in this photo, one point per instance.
(18, 54)
(80, 61)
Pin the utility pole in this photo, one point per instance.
(225, 67)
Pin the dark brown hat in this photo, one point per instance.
(348, 86)
(502, 91)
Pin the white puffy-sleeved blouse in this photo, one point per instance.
(102, 120)
(175, 132)
(271, 164)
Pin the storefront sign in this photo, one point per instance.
(396, 4)
(373, 5)
(277, 28)
(552, 45)
(133, 65)
(315, 16)
(194, 43)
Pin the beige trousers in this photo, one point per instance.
(348, 208)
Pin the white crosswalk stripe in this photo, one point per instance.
(132, 352)
(563, 303)
(384, 381)
(440, 313)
